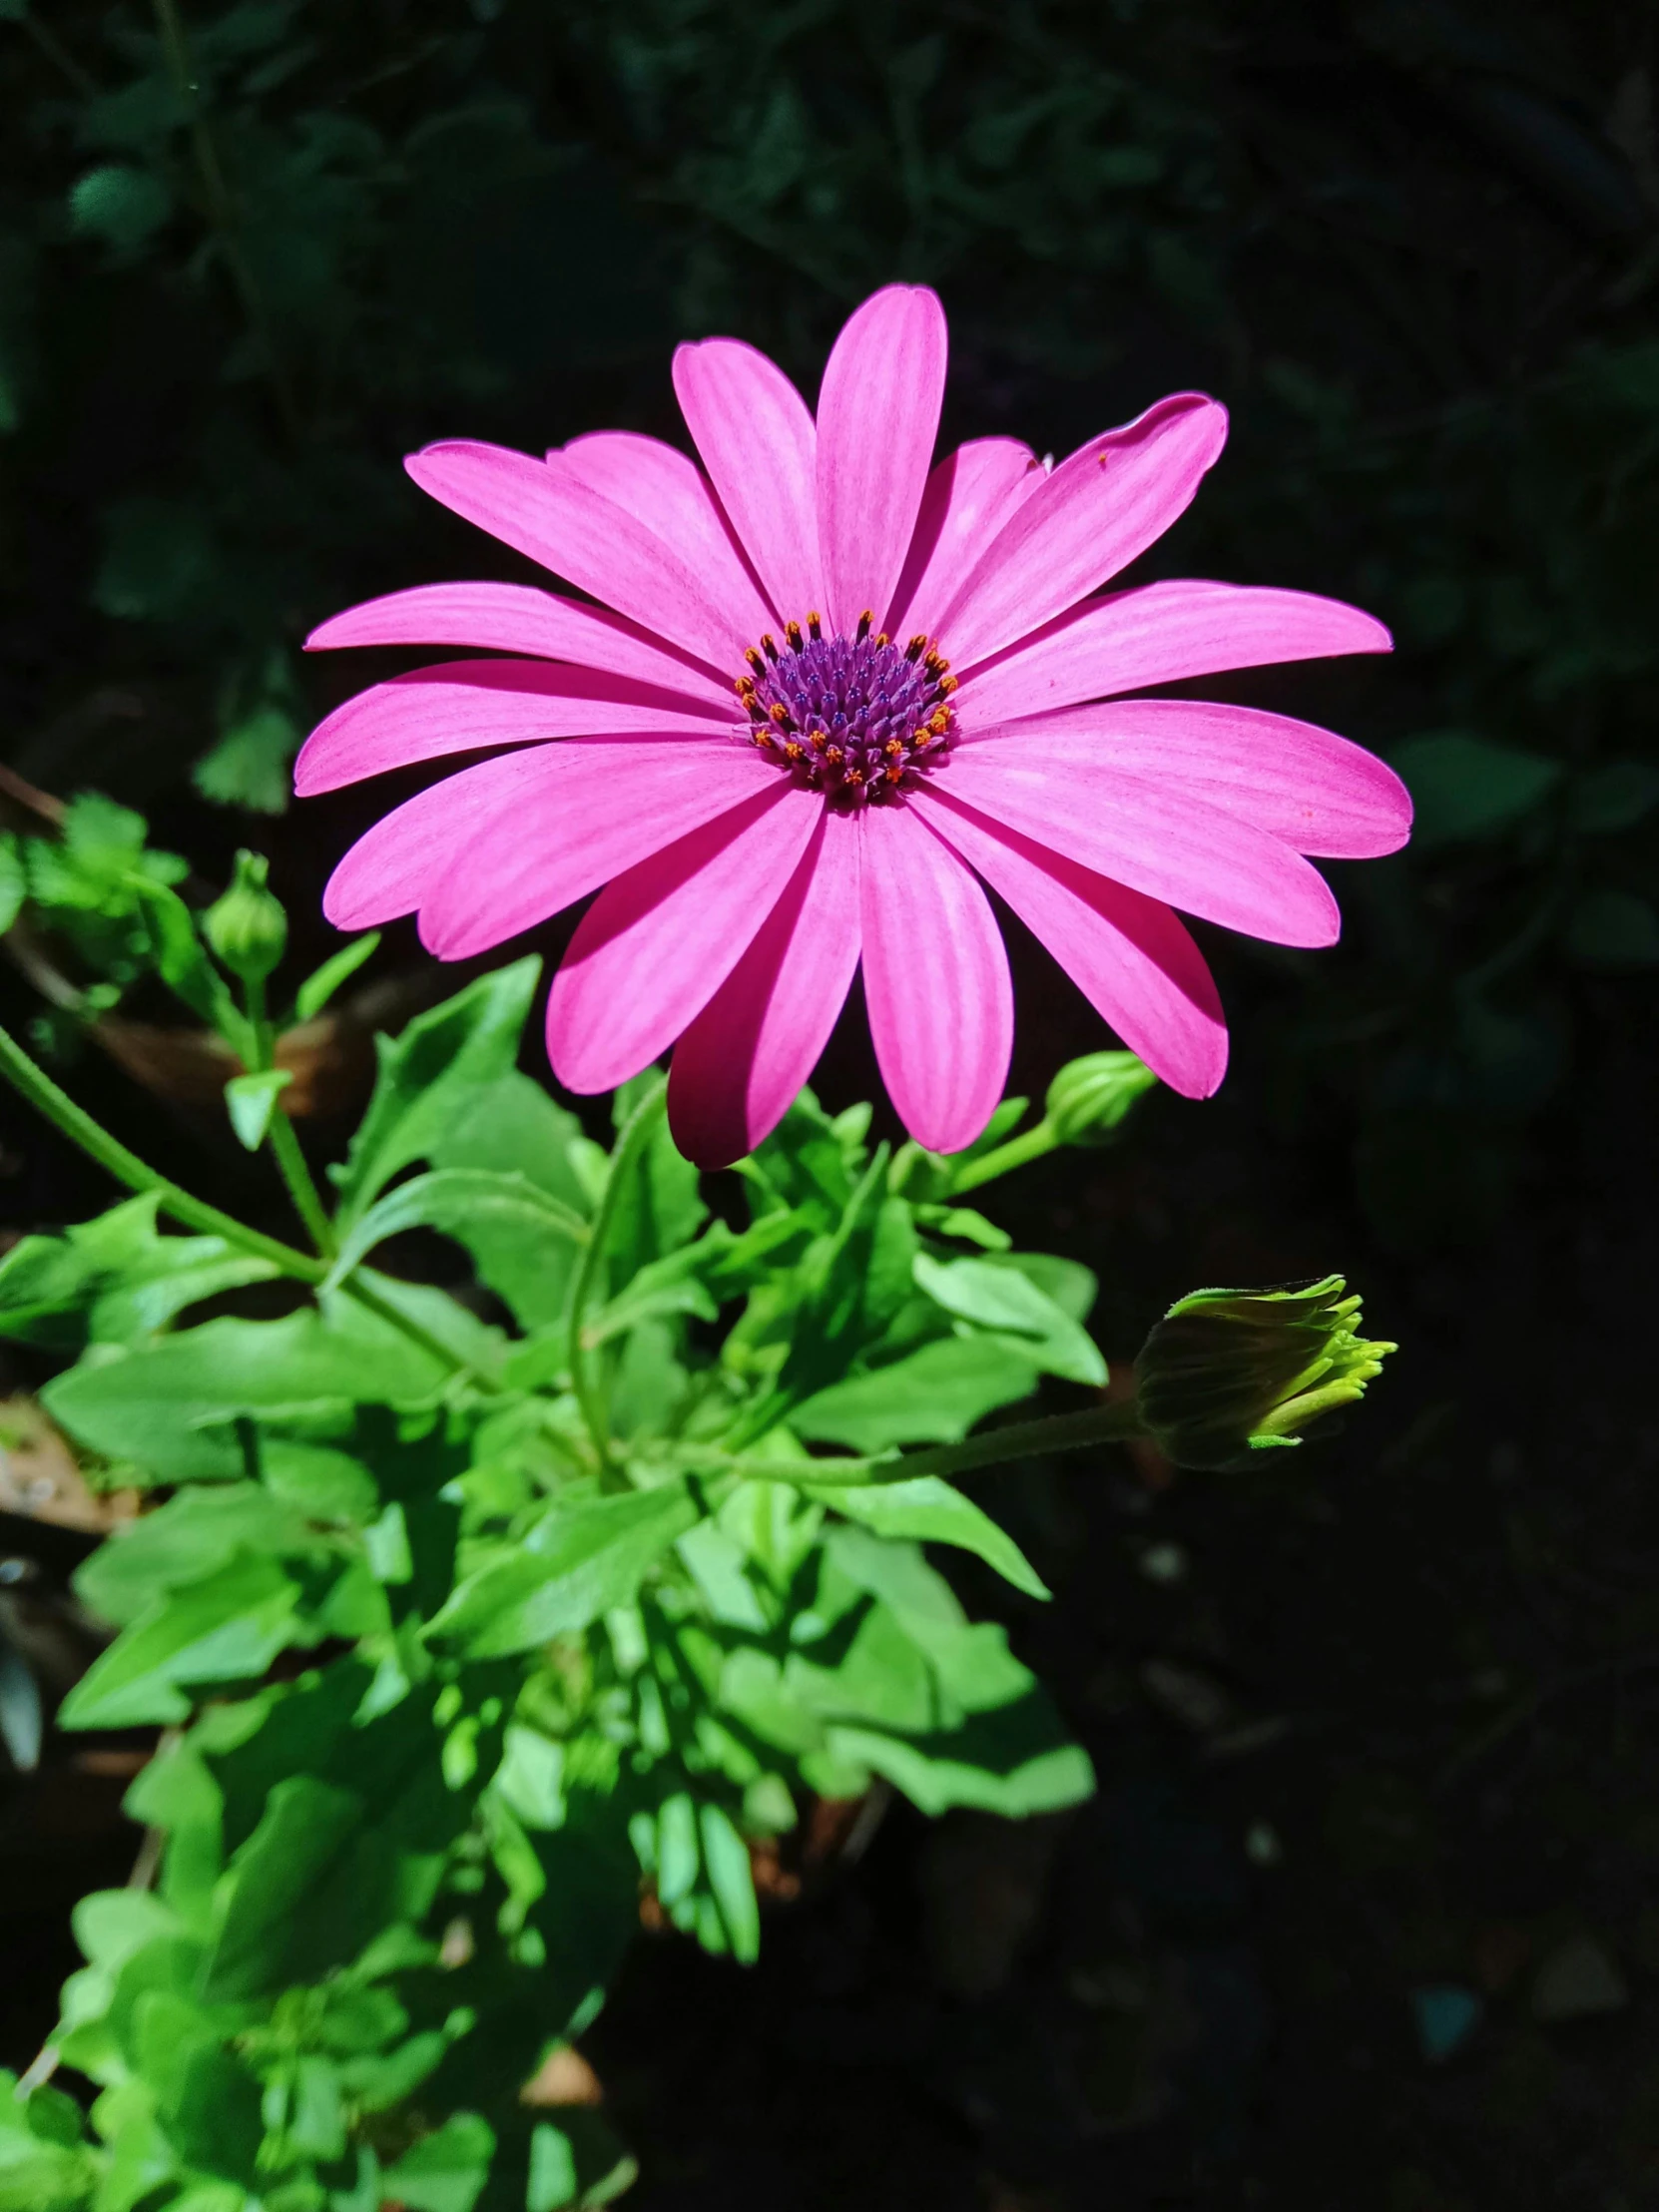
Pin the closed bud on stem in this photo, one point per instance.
(1229, 1373)
(247, 927)
(1090, 1097)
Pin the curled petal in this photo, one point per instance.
(941, 1006)
(967, 498)
(741, 1061)
(877, 417)
(1103, 505)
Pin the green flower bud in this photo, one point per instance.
(1229, 1373)
(247, 927)
(1089, 1097)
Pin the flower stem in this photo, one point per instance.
(635, 1133)
(283, 1142)
(78, 1125)
(1031, 1145)
(1020, 1439)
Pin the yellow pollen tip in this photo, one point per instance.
(893, 774)
(856, 777)
(794, 751)
(893, 748)
(947, 684)
(882, 638)
(792, 630)
(753, 657)
(769, 646)
(815, 623)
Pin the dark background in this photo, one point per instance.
(1365, 1912)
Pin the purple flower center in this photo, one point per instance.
(854, 718)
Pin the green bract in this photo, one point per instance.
(1229, 1373)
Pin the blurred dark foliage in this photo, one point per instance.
(250, 259)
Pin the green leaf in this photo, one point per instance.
(676, 1284)
(321, 985)
(512, 1126)
(1614, 796)
(180, 961)
(14, 880)
(307, 1826)
(429, 1077)
(168, 1406)
(932, 1511)
(659, 1206)
(1615, 929)
(119, 204)
(249, 766)
(726, 1860)
(252, 1100)
(997, 1764)
(192, 1535)
(576, 1563)
(523, 1240)
(935, 1395)
(1002, 1297)
(446, 2170)
(1465, 786)
(114, 1280)
(226, 1628)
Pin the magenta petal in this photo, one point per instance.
(1156, 838)
(604, 804)
(877, 417)
(517, 617)
(1158, 634)
(546, 510)
(1316, 792)
(659, 941)
(941, 1006)
(463, 704)
(1129, 955)
(666, 493)
(1102, 506)
(966, 500)
(759, 446)
(390, 869)
(739, 1066)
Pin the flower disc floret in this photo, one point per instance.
(854, 717)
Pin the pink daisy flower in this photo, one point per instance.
(829, 693)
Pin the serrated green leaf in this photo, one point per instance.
(115, 1280)
(931, 1511)
(430, 1076)
(935, 1395)
(523, 1240)
(1000, 1295)
(575, 1565)
(226, 1628)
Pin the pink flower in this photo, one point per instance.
(829, 693)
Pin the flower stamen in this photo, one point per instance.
(862, 714)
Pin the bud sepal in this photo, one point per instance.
(246, 926)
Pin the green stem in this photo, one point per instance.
(635, 1133)
(78, 1125)
(221, 208)
(1020, 1439)
(284, 1146)
(1033, 1144)
(280, 1135)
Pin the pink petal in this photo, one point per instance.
(517, 617)
(759, 446)
(1102, 506)
(1129, 956)
(546, 511)
(604, 803)
(463, 704)
(967, 499)
(877, 417)
(659, 941)
(388, 870)
(1308, 786)
(739, 1066)
(1156, 838)
(666, 492)
(941, 1006)
(1157, 634)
